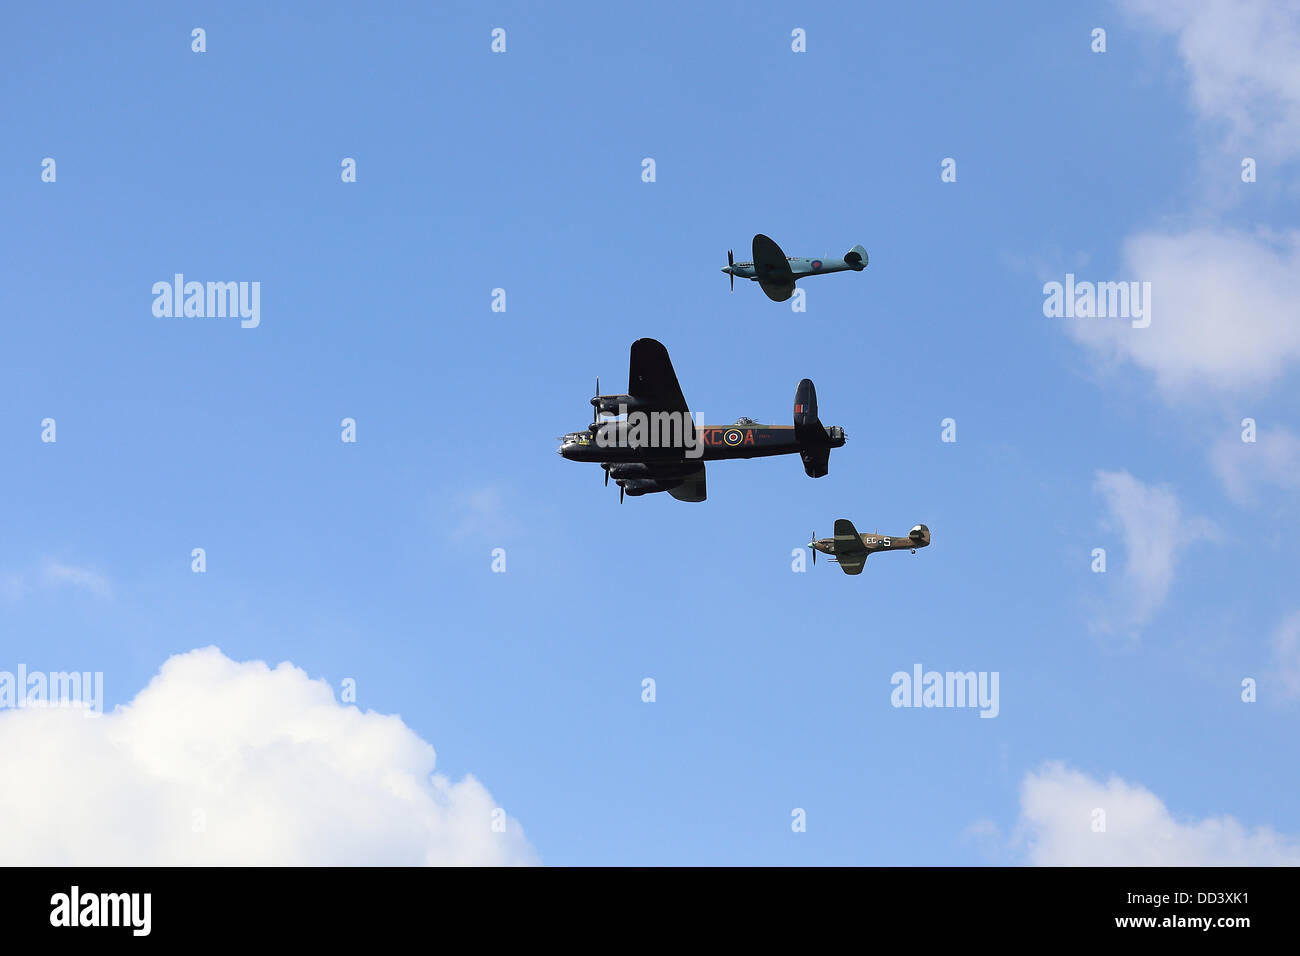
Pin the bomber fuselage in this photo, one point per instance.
(616, 442)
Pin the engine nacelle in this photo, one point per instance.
(640, 471)
(645, 486)
(618, 404)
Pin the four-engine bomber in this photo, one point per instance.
(659, 447)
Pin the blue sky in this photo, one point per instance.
(522, 171)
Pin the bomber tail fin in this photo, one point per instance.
(805, 410)
(816, 451)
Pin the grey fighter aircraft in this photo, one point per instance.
(657, 446)
(851, 550)
(776, 273)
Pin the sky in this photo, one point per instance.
(430, 644)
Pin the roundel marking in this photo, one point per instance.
(816, 264)
(733, 436)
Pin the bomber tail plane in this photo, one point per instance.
(814, 442)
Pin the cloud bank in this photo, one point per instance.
(1057, 828)
(1225, 312)
(1224, 315)
(219, 762)
(1240, 58)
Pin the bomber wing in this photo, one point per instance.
(650, 378)
(692, 486)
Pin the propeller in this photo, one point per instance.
(813, 544)
(731, 261)
(621, 489)
(606, 467)
(595, 403)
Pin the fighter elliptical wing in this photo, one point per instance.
(772, 269)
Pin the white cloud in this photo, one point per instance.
(1285, 667)
(56, 573)
(1057, 813)
(1156, 532)
(1272, 459)
(1242, 59)
(275, 769)
(1225, 311)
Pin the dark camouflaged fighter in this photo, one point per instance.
(658, 446)
(851, 549)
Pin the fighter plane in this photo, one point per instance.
(658, 446)
(776, 273)
(851, 549)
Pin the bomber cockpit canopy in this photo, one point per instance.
(742, 420)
